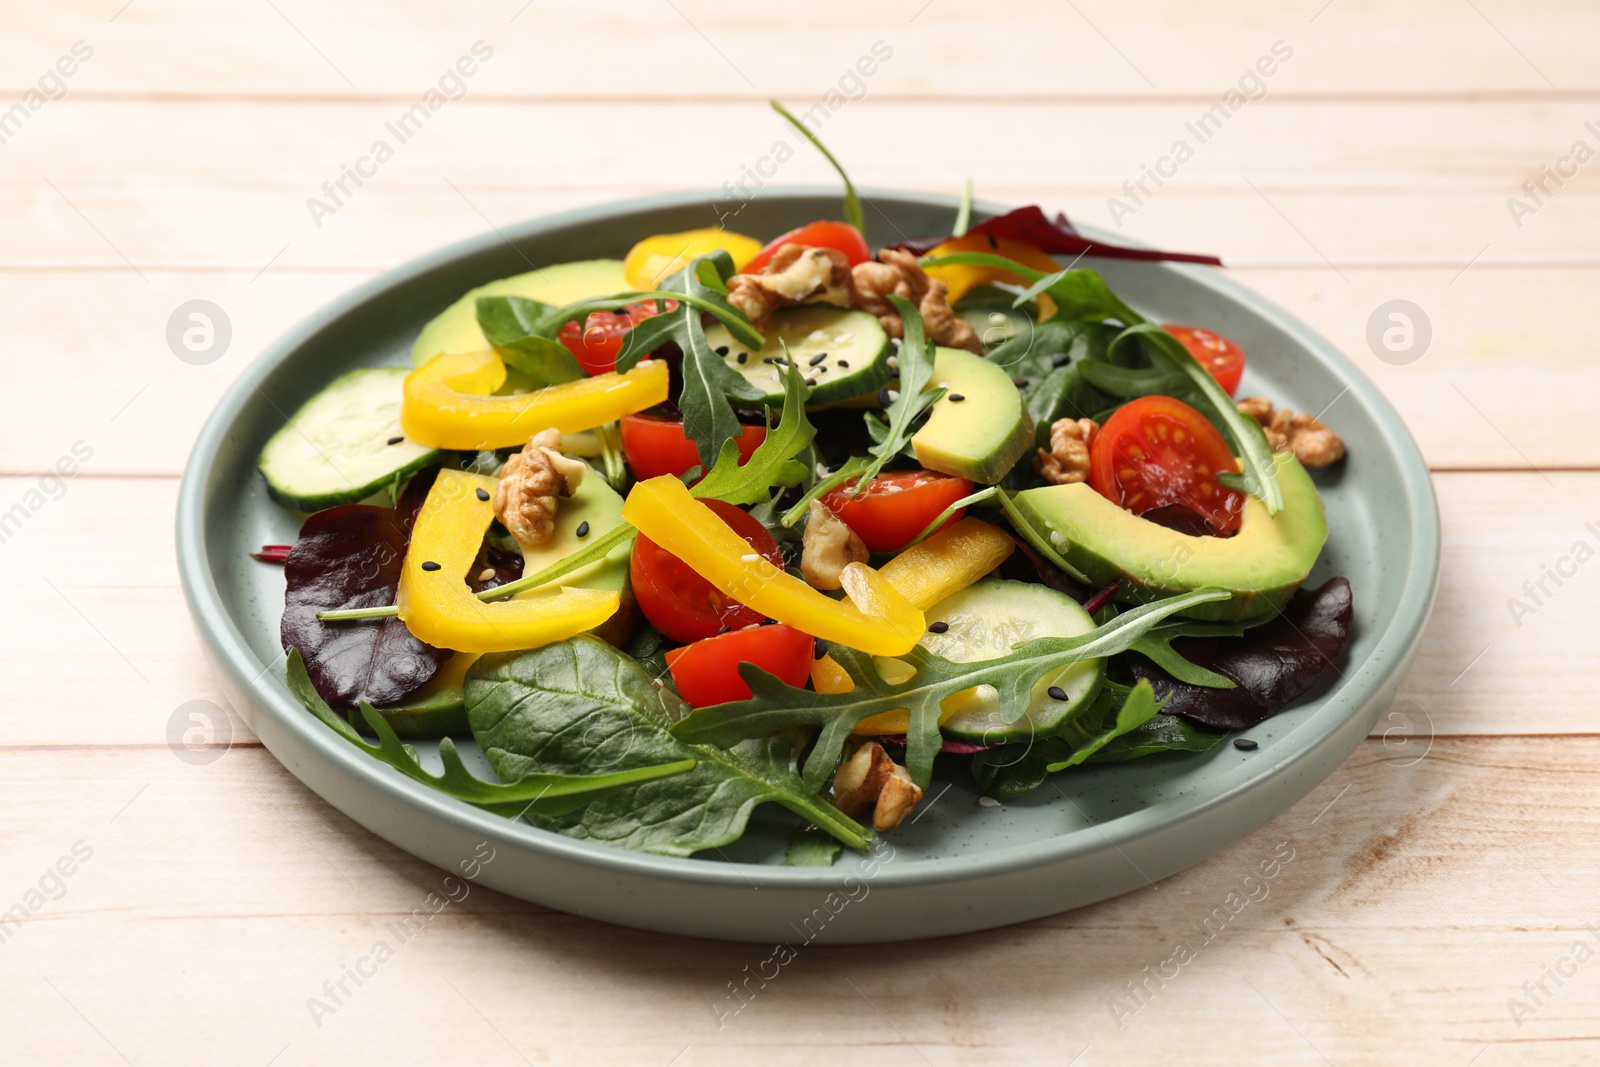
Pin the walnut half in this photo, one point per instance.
(1067, 461)
(796, 274)
(829, 547)
(870, 779)
(898, 273)
(530, 482)
(1313, 443)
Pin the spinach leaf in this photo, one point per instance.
(907, 409)
(509, 323)
(1163, 733)
(582, 706)
(1004, 773)
(810, 847)
(774, 706)
(1156, 646)
(534, 793)
(772, 463)
(349, 557)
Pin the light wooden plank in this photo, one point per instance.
(177, 184)
(707, 49)
(93, 573)
(1493, 367)
(1427, 893)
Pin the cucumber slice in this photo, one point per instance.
(336, 449)
(846, 353)
(986, 620)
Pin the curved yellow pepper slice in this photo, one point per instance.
(963, 279)
(876, 619)
(654, 258)
(438, 607)
(946, 563)
(447, 402)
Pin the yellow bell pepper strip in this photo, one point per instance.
(926, 573)
(962, 278)
(436, 603)
(447, 402)
(654, 258)
(875, 619)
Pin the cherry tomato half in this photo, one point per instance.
(1156, 452)
(707, 672)
(1217, 354)
(659, 446)
(679, 602)
(840, 236)
(596, 345)
(896, 506)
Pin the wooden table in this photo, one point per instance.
(1438, 904)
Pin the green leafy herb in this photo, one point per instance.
(810, 847)
(907, 409)
(1163, 733)
(581, 705)
(852, 203)
(509, 323)
(535, 794)
(775, 706)
(1157, 647)
(772, 463)
(1005, 772)
(964, 212)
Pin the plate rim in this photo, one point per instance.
(1393, 648)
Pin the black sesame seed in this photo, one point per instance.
(429, 565)
(993, 243)
(723, 630)
(1244, 744)
(811, 383)
(722, 350)
(743, 356)
(956, 398)
(395, 440)
(844, 364)
(883, 397)
(483, 494)
(583, 528)
(938, 627)
(819, 648)
(1057, 693)
(818, 358)
(1020, 383)
(1061, 360)
(621, 313)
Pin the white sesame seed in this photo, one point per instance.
(841, 339)
(894, 394)
(988, 802)
(996, 318)
(894, 362)
(485, 574)
(817, 337)
(750, 557)
(897, 342)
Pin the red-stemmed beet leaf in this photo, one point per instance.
(1031, 226)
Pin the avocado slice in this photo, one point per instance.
(456, 328)
(982, 435)
(438, 709)
(1261, 565)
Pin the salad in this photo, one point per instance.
(789, 519)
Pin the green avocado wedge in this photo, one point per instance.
(455, 329)
(981, 435)
(1261, 565)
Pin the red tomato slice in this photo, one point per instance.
(707, 672)
(1217, 354)
(896, 506)
(840, 236)
(659, 446)
(679, 602)
(1156, 452)
(596, 345)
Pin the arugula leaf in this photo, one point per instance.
(582, 705)
(774, 706)
(509, 323)
(1156, 646)
(532, 793)
(1163, 733)
(1004, 774)
(964, 212)
(1080, 293)
(847, 470)
(852, 203)
(772, 463)
(916, 371)
(1259, 477)
(810, 847)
